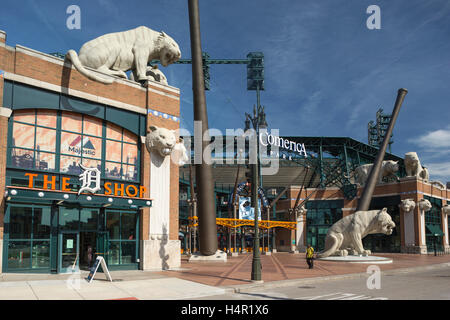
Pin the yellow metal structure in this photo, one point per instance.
(235, 223)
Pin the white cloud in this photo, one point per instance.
(434, 140)
(439, 171)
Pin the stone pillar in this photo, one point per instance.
(407, 228)
(419, 225)
(162, 249)
(412, 224)
(444, 226)
(145, 213)
(301, 233)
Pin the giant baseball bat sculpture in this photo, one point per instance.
(203, 171)
(366, 197)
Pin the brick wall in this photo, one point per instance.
(45, 71)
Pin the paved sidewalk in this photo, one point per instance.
(130, 285)
(283, 266)
(196, 280)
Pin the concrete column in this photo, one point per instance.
(301, 233)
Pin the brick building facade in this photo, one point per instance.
(412, 234)
(44, 224)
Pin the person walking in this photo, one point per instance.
(310, 256)
(89, 256)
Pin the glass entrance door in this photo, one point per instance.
(316, 237)
(69, 249)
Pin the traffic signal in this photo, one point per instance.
(255, 71)
(206, 76)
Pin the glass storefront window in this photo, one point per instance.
(50, 140)
(69, 218)
(45, 161)
(20, 223)
(27, 116)
(113, 224)
(34, 139)
(46, 118)
(92, 126)
(91, 163)
(70, 165)
(71, 121)
(123, 236)
(23, 136)
(114, 151)
(128, 254)
(46, 139)
(128, 226)
(114, 252)
(433, 217)
(41, 254)
(41, 223)
(321, 215)
(19, 255)
(28, 240)
(22, 158)
(88, 219)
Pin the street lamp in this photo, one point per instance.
(258, 121)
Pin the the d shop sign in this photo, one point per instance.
(116, 189)
(267, 139)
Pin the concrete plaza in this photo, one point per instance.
(196, 280)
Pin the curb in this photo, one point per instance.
(293, 282)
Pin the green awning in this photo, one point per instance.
(434, 230)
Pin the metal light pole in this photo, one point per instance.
(258, 121)
(203, 171)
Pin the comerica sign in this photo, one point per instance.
(268, 139)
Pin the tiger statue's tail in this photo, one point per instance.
(331, 246)
(73, 57)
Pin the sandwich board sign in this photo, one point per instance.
(94, 268)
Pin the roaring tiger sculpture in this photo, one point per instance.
(119, 52)
(346, 235)
(407, 205)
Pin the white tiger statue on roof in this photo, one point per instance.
(118, 52)
(388, 169)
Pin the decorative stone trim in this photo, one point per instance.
(2, 38)
(163, 115)
(163, 93)
(5, 112)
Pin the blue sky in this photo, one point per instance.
(326, 73)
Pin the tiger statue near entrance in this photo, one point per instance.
(345, 236)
